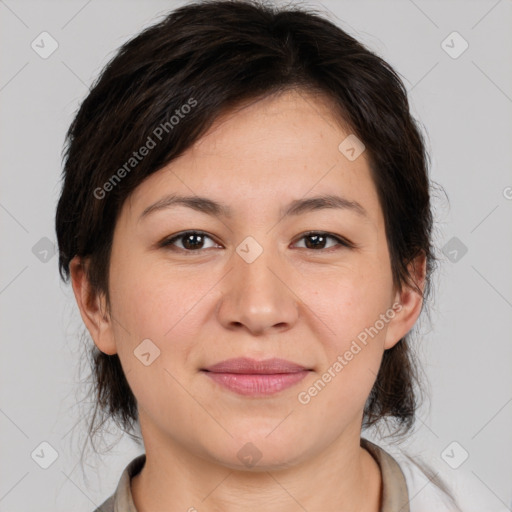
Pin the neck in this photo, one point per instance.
(344, 477)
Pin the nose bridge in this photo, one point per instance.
(254, 293)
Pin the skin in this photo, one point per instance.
(304, 305)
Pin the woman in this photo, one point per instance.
(246, 222)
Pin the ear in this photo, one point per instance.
(92, 307)
(407, 304)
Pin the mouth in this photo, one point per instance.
(250, 377)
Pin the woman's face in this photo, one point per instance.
(254, 285)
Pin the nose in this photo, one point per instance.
(258, 296)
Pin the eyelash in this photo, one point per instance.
(342, 242)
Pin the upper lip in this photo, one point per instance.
(252, 366)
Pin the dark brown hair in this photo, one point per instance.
(220, 54)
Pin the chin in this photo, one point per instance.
(259, 453)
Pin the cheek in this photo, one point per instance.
(349, 302)
(149, 300)
(352, 346)
(166, 306)
(151, 306)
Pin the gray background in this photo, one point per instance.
(465, 105)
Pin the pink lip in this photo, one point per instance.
(256, 378)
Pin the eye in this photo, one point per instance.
(190, 241)
(194, 241)
(317, 240)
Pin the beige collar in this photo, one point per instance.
(395, 497)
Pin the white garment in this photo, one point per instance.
(425, 496)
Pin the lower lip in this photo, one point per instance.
(257, 384)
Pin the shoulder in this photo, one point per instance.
(122, 500)
(107, 505)
(412, 485)
(426, 495)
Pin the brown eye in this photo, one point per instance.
(192, 241)
(318, 240)
(189, 241)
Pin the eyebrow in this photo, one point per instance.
(295, 207)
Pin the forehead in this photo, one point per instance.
(273, 150)
(274, 127)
